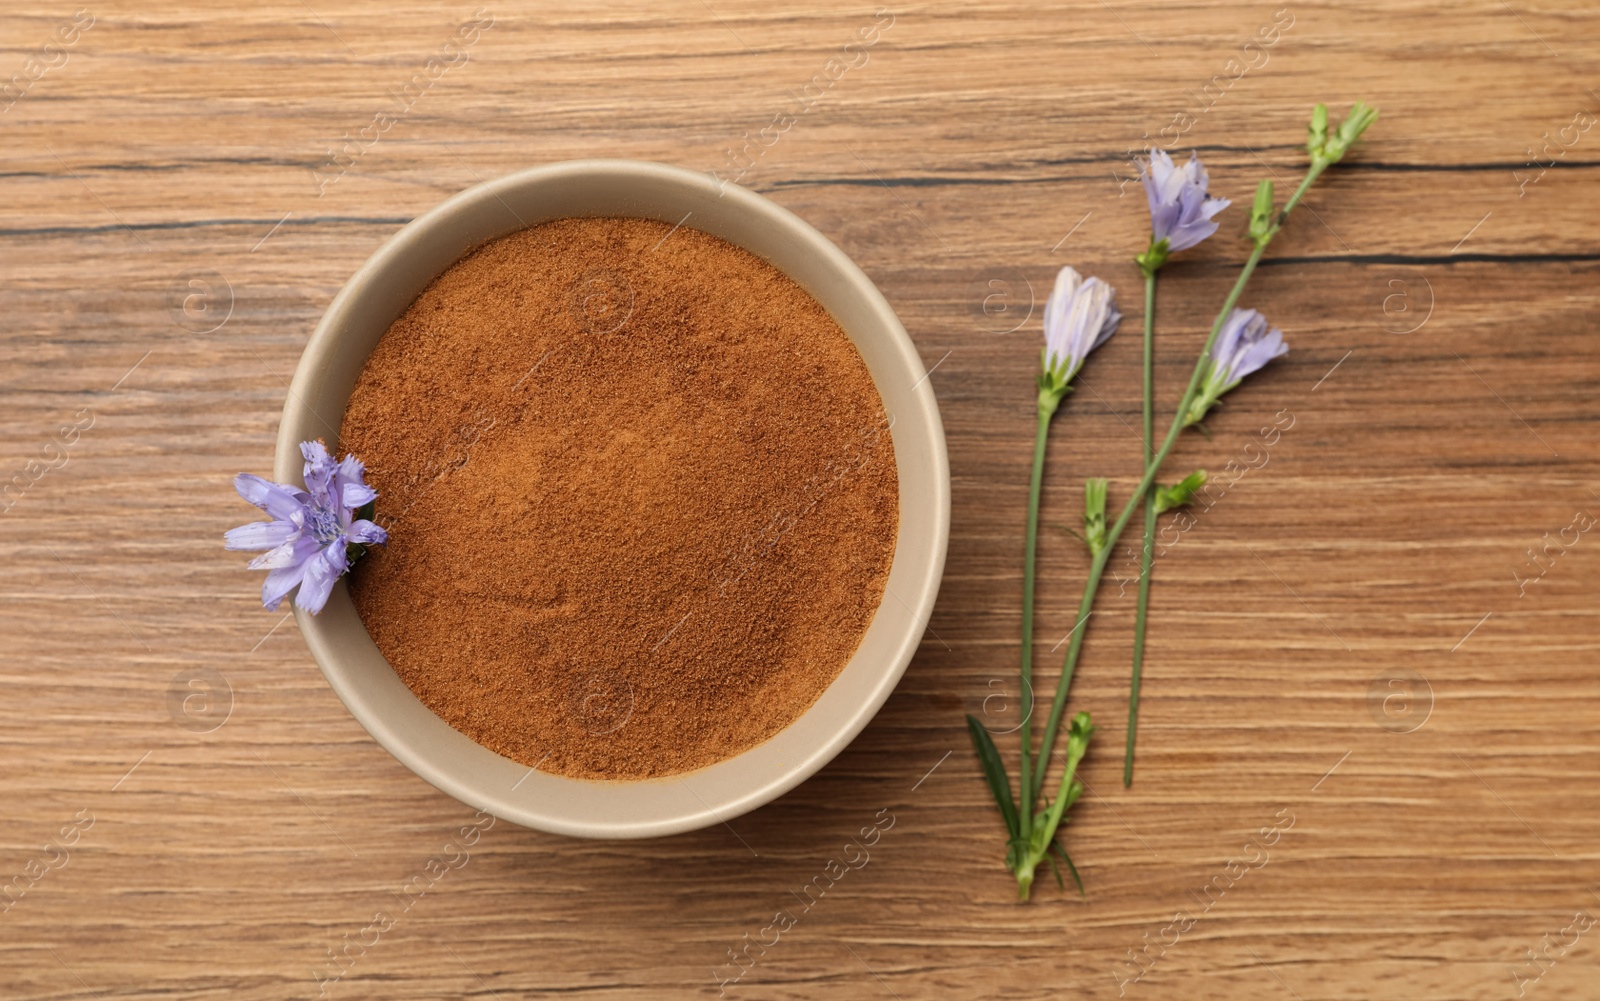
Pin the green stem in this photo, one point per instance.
(1315, 171)
(1059, 804)
(1140, 615)
(1145, 553)
(1039, 848)
(1097, 568)
(1091, 585)
(1047, 408)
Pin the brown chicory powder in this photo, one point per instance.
(640, 493)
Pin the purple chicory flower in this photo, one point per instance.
(1180, 207)
(1079, 316)
(1242, 346)
(311, 529)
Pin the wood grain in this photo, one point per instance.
(1431, 448)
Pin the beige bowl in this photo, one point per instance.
(382, 289)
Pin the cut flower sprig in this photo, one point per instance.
(1080, 315)
(1033, 830)
(1325, 149)
(1245, 344)
(1181, 214)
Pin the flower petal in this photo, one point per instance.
(351, 473)
(1226, 345)
(1113, 318)
(366, 533)
(279, 583)
(352, 469)
(260, 535)
(1259, 352)
(1180, 207)
(318, 473)
(1098, 317)
(1156, 177)
(277, 499)
(356, 496)
(1056, 309)
(322, 571)
(290, 554)
(1188, 234)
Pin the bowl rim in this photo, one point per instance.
(297, 424)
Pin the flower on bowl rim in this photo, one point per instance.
(309, 537)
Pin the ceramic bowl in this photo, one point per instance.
(393, 277)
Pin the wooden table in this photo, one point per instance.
(1342, 639)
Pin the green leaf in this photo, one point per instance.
(1068, 531)
(368, 509)
(995, 771)
(1072, 868)
(1015, 852)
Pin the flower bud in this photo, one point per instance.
(1181, 209)
(1094, 514)
(1078, 736)
(1330, 149)
(1262, 226)
(1242, 346)
(1179, 493)
(1318, 131)
(1078, 317)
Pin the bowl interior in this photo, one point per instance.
(386, 285)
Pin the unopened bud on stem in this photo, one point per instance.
(1262, 224)
(1094, 514)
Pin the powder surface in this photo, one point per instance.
(640, 492)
